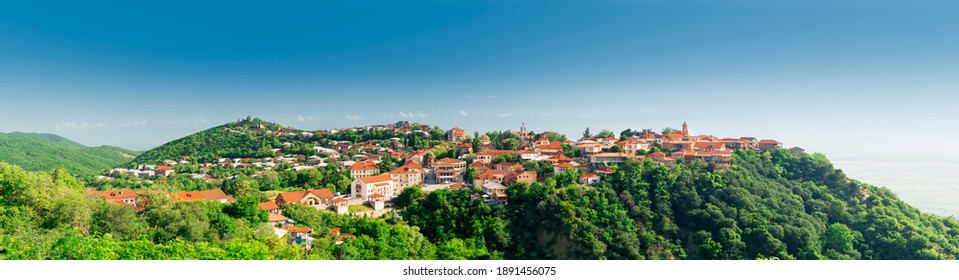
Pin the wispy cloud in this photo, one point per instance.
(168, 122)
(464, 113)
(411, 115)
(501, 115)
(301, 118)
(354, 117)
(491, 96)
(79, 125)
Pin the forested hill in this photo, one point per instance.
(766, 205)
(243, 138)
(771, 205)
(43, 152)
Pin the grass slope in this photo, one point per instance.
(43, 152)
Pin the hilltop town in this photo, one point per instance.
(382, 161)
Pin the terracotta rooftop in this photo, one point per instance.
(274, 217)
(378, 178)
(299, 195)
(364, 165)
(269, 205)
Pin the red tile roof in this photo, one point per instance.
(448, 162)
(405, 170)
(378, 178)
(274, 217)
(364, 165)
(490, 174)
(269, 205)
(552, 145)
(297, 196)
(297, 229)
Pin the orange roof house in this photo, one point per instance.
(317, 198)
(270, 207)
(129, 197)
(211, 195)
(365, 187)
(364, 169)
(589, 179)
(276, 218)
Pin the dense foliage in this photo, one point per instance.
(44, 152)
(767, 205)
(771, 205)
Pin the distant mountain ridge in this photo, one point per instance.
(44, 151)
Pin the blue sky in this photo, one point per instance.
(840, 77)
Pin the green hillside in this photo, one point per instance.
(243, 138)
(43, 152)
(766, 206)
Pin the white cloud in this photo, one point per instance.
(354, 117)
(491, 96)
(200, 121)
(77, 125)
(410, 115)
(300, 118)
(66, 125)
(464, 113)
(140, 123)
(501, 115)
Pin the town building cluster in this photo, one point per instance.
(476, 165)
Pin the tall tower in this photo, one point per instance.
(523, 133)
(685, 129)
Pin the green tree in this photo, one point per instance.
(605, 134)
(409, 196)
(838, 242)
(510, 144)
(247, 207)
(120, 221)
(470, 174)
